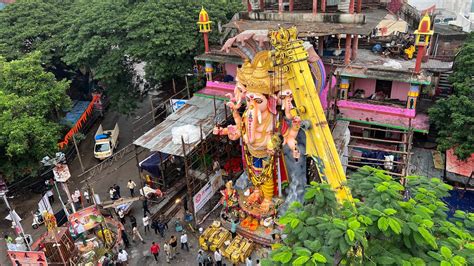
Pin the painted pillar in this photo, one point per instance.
(262, 5)
(321, 46)
(422, 40)
(344, 88)
(249, 6)
(351, 7)
(355, 46)
(347, 56)
(292, 4)
(280, 6)
(204, 27)
(315, 6)
(359, 6)
(412, 96)
(323, 6)
(206, 42)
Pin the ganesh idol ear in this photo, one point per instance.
(272, 104)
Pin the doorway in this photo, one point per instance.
(384, 86)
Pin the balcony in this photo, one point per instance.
(377, 107)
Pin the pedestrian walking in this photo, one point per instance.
(112, 193)
(121, 216)
(125, 238)
(233, 228)
(184, 240)
(117, 190)
(154, 226)
(173, 245)
(218, 257)
(145, 207)
(167, 249)
(155, 250)
(131, 185)
(136, 234)
(200, 258)
(133, 221)
(87, 197)
(122, 257)
(146, 223)
(248, 261)
(161, 228)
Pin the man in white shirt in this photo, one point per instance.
(184, 241)
(112, 193)
(248, 261)
(122, 257)
(131, 185)
(218, 257)
(146, 223)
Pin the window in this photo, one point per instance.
(102, 147)
(383, 87)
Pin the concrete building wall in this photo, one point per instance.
(400, 90)
(368, 85)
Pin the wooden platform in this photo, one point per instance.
(258, 236)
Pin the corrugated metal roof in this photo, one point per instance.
(198, 111)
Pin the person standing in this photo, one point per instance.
(233, 228)
(136, 234)
(145, 207)
(146, 223)
(121, 216)
(133, 221)
(248, 261)
(167, 249)
(131, 185)
(117, 190)
(122, 257)
(112, 193)
(218, 257)
(87, 197)
(184, 241)
(155, 250)
(173, 245)
(125, 238)
(154, 226)
(200, 258)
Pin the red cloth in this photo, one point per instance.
(155, 249)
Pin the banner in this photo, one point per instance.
(27, 258)
(61, 172)
(177, 103)
(86, 218)
(206, 193)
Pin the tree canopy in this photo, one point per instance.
(103, 39)
(454, 116)
(388, 224)
(31, 100)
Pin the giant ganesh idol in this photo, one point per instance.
(260, 128)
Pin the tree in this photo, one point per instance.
(387, 224)
(454, 116)
(101, 40)
(30, 104)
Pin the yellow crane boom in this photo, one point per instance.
(290, 56)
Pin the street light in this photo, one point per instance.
(13, 216)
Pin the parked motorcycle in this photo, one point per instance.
(37, 219)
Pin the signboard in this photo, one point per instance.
(61, 172)
(27, 258)
(206, 193)
(177, 103)
(86, 217)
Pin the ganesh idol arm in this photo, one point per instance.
(290, 136)
(232, 131)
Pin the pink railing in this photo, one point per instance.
(410, 113)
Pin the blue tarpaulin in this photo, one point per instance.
(77, 110)
(460, 200)
(152, 163)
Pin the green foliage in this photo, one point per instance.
(382, 227)
(30, 100)
(454, 116)
(103, 39)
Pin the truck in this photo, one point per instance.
(106, 142)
